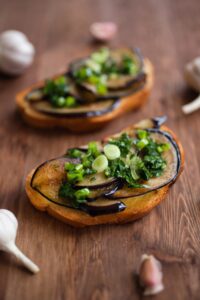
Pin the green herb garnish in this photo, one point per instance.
(57, 92)
(100, 67)
(128, 66)
(124, 142)
(76, 172)
(77, 196)
(141, 159)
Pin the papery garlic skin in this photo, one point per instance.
(16, 52)
(150, 275)
(8, 232)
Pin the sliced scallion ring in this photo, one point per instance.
(100, 163)
(135, 160)
(111, 151)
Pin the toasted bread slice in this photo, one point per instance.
(85, 124)
(136, 207)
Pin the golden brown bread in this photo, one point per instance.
(137, 207)
(81, 124)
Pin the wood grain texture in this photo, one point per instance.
(101, 262)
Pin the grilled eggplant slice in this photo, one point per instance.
(84, 110)
(48, 178)
(96, 181)
(35, 95)
(119, 86)
(41, 103)
(100, 186)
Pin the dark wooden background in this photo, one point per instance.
(101, 263)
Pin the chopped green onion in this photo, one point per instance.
(101, 56)
(82, 194)
(69, 166)
(142, 134)
(135, 164)
(74, 153)
(101, 88)
(111, 151)
(82, 73)
(93, 79)
(78, 167)
(93, 65)
(163, 147)
(142, 144)
(70, 101)
(128, 65)
(93, 149)
(58, 101)
(100, 163)
(75, 176)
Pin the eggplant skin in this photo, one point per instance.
(103, 210)
(159, 121)
(173, 142)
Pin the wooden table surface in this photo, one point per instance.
(101, 263)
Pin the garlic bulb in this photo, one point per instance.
(150, 275)
(16, 52)
(8, 231)
(103, 31)
(192, 76)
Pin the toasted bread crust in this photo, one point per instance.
(83, 124)
(137, 207)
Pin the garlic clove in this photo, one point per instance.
(10, 215)
(196, 65)
(153, 290)
(8, 231)
(103, 31)
(192, 106)
(13, 249)
(12, 35)
(16, 52)
(8, 228)
(192, 76)
(150, 275)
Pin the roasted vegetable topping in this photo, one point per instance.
(130, 159)
(103, 79)
(75, 173)
(57, 92)
(142, 154)
(101, 67)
